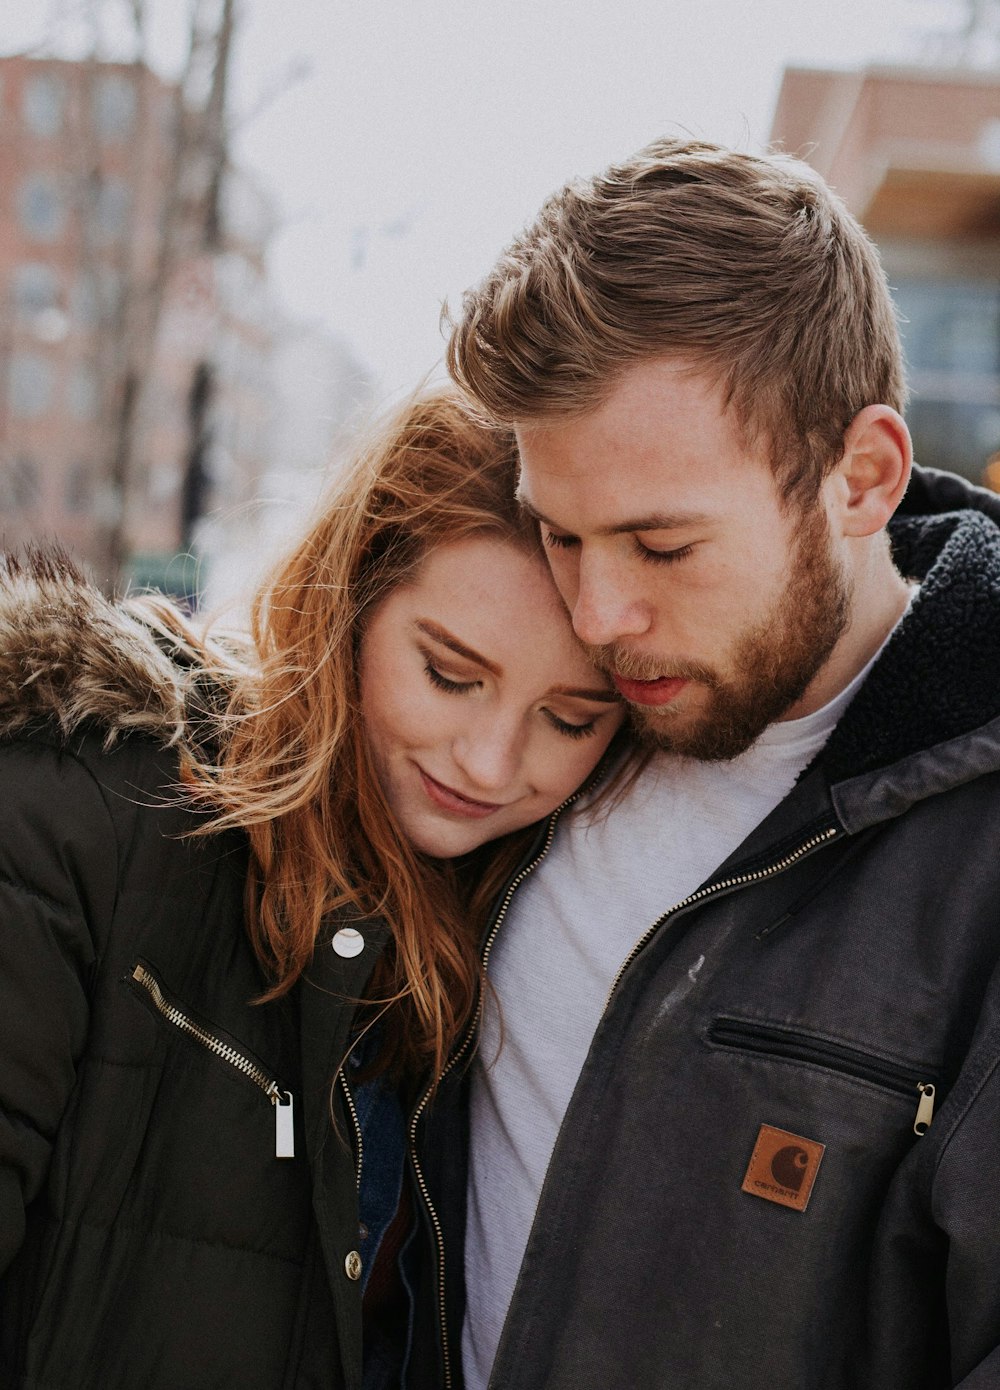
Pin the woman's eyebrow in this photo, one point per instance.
(606, 696)
(442, 635)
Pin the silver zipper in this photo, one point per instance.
(356, 1123)
(284, 1132)
(712, 889)
(453, 1061)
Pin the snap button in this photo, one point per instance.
(348, 942)
(362, 1231)
(352, 1265)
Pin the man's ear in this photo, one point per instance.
(870, 479)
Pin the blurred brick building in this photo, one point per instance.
(915, 153)
(85, 187)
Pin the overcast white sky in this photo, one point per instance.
(427, 131)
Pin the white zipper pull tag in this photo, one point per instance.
(284, 1126)
(925, 1110)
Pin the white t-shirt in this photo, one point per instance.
(568, 931)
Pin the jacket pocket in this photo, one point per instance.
(229, 1052)
(789, 1044)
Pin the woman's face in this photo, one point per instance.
(481, 710)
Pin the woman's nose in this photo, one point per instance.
(489, 754)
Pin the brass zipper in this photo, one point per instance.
(712, 890)
(456, 1057)
(284, 1134)
(795, 1045)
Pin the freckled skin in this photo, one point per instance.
(506, 739)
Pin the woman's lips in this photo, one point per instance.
(656, 692)
(455, 802)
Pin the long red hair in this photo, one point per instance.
(295, 771)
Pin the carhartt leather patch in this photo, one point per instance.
(783, 1167)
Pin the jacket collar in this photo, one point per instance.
(328, 992)
(927, 717)
(938, 679)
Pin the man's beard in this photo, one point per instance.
(772, 666)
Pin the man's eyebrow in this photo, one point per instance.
(442, 635)
(655, 521)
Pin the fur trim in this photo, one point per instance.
(70, 657)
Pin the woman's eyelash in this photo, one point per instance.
(572, 730)
(443, 683)
(462, 687)
(559, 542)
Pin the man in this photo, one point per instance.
(740, 1123)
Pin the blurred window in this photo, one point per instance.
(951, 338)
(43, 102)
(96, 298)
(111, 210)
(950, 327)
(83, 393)
(20, 484)
(31, 382)
(79, 488)
(114, 106)
(41, 208)
(34, 289)
(958, 435)
(85, 300)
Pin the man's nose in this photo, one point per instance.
(608, 605)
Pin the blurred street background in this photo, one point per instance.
(228, 227)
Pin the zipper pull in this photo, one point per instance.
(925, 1110)
(284, 1127)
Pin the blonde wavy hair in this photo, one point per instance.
(294, 769)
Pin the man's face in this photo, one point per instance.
(711, 604)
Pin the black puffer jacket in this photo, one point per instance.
(149, 1234)
(738, 1199)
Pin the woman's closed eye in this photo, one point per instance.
(563, 726)
(558, 542)
(443, 682)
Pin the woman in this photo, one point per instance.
(188, 1108)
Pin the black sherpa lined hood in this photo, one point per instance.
(928, 716)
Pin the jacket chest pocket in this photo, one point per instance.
(227, 1050)
(916, 1082)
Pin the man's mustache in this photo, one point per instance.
(639, 666)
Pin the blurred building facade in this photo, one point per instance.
(89, 192)
(320, 397)
(915, 154)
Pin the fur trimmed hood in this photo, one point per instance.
(69, 657)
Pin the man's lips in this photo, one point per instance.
(455, 802)
(656, 692)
